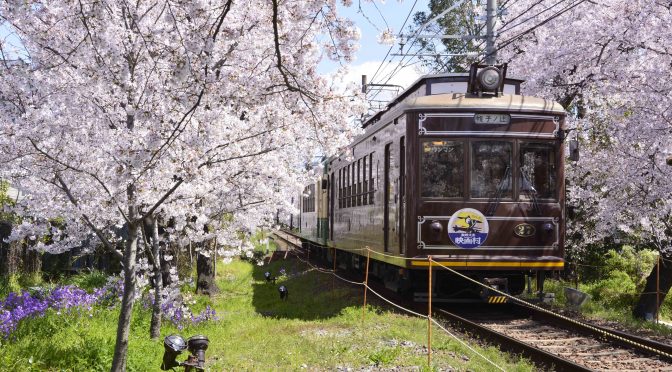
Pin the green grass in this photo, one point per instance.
(610, 301)
(317, 328)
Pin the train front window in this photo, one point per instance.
(442, 169)
(537, 170)
(491, 169)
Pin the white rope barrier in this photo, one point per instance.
(326, 271)
(516, 299)
(467, 346)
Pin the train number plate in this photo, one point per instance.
(492, 119)
(524, 230)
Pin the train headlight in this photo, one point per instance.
(436, 227)
(489, 78)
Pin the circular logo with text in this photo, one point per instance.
(468, 228)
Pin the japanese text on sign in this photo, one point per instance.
(492, 119)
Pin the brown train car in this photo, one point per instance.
(475, 180)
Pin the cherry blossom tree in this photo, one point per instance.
(180, 111)
(607, 62)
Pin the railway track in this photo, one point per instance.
(548, 341)
(562, 345)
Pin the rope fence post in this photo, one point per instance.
(429, 315)
(366, 280)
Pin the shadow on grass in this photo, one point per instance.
(312, 294)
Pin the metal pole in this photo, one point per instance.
(658, 289)
(366, 280)
(429, 316)
(490, 51)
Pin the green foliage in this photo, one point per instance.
(15, 282)
(459, 21)
(318, 327)
(636, 264)
(5, 200)
(88, 281)
(615, 285)
(618, 290)
(385, 356)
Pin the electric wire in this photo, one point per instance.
(361, 11)
(392, 46)
(503, 29)
(550, 18)
(401, 65)
(381, 15)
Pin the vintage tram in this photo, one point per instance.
(460, 167)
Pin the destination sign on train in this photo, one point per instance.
(492, 119)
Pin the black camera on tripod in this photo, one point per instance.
(174, 345)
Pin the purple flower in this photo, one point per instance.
(17, 307)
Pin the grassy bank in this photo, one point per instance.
(615, 283)
(316, 329)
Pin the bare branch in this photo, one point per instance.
(99, 234)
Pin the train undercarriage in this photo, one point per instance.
(446, 285)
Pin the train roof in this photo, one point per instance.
(506, 102)
(449, 91)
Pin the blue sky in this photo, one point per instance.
(372, 18)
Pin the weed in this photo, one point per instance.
(384, 356)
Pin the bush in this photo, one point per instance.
(617, 291)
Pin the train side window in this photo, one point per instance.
(491, 169)
(359, 182)
(371, 185)
(340, 188)
(348, 189)
(537, 170)
(353, 182)
(442, 169)
(309, 199)
(365, 183)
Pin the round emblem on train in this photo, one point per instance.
(468, 228)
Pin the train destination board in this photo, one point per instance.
(492, 119)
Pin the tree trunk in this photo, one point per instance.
(155, 326)
(5, 231)
(166, 266)
(646, 306)
(124, 322)
(205, 270)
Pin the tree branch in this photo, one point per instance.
(99, 234)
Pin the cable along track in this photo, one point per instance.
(564, 347)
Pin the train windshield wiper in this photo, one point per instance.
(528, 188)
(503, 185)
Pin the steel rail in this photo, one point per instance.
(505, 343)
(637, 343)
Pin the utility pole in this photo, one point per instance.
(490, 51)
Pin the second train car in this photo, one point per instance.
(460, 167)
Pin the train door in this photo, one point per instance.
(402, 195)
(332, 196)
(386, 199)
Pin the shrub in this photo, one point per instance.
(618, 290)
